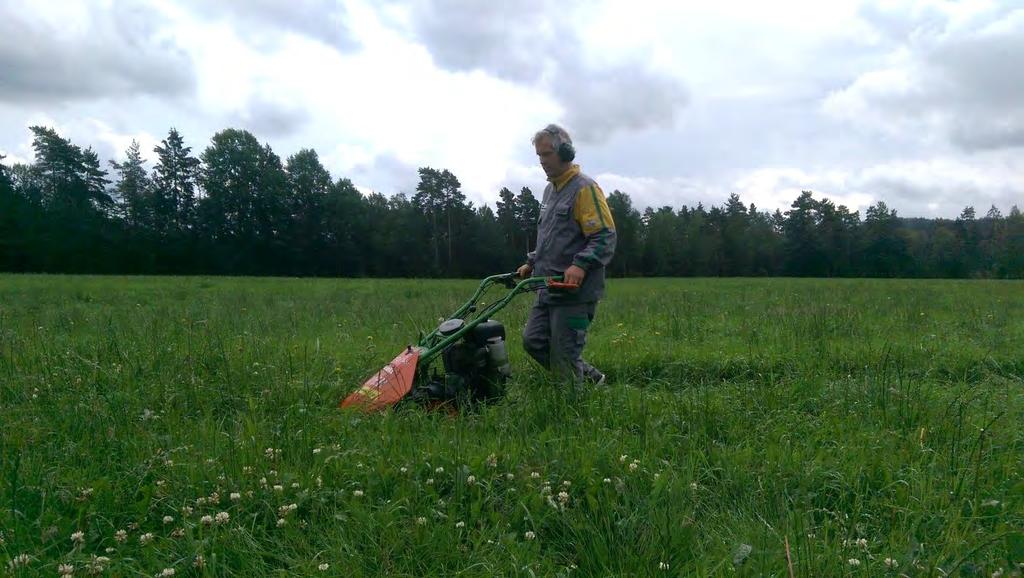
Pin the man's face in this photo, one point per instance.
(548, 156)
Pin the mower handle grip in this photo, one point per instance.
(553, 282)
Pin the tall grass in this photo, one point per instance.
(851, 427)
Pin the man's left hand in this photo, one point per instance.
(574, 275)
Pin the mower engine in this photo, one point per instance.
(476, 367)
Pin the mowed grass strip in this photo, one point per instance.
(850, 427)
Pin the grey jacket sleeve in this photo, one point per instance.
(599, 250)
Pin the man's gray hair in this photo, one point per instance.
(557, 134)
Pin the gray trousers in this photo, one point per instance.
(555, 336)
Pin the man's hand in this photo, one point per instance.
(574, 275)
(524, 271)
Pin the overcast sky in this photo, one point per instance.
(919, 103)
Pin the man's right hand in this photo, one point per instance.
(524, 271)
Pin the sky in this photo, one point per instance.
(917, 103)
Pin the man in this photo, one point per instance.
(575, 239)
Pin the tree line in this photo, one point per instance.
(237, 209)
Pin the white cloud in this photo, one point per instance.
(956, 78)
(914, 102)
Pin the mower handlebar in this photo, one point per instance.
(513, 281)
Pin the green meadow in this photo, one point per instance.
(749, 427)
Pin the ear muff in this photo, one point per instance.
(566, 152)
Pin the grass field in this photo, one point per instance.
(848, 427)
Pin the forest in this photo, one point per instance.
(237, 209)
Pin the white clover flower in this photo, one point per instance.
(862, 542)
(430, 481)
(166, 573)
(623, 458)
(98, 564)
(278, 488)
(563, 497)
(438, 470)
(566, 483)
(891, 563)
(323, 567)
(633, 466)
(471, 480)
(358, 493)
(529, 535)
(235, 496)
(178, 533)
(510, 476)
(607, 480)
(66, 569)
(78, 537)
(269, 452)
(853, 562)
(534, 475)
(421, 520)
(120, 536)
(222, 517)
(460, 524)
(316, 451)
(19, 560)
(168, 519)
(186, 510)
(146, 538)
(281, 522)
(663, 566)
(199, 562)
(403, 469)
(492, 461)
(206, 520)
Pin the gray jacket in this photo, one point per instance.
(575, 228)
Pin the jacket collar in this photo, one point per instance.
(561, 180)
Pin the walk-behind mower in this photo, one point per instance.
(471, 346)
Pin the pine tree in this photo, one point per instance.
(175, 178)
(133, 188)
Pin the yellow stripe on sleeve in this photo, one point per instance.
(591, 210)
